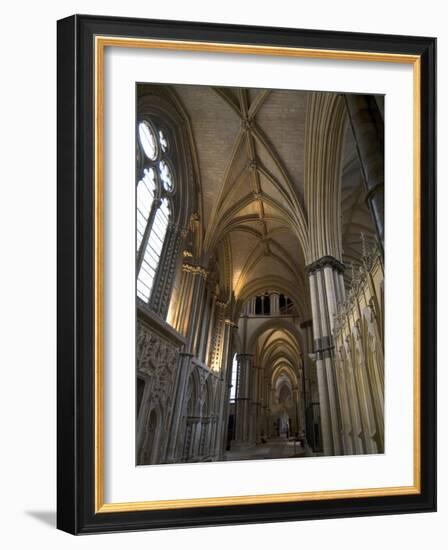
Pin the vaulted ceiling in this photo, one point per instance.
(278, 354)
(250, 146)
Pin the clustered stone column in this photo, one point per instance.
(254, 405)
(310, 389)
(299, 420)
(243, 435)
(182, 315)
(266, 395)
(360, 359)
(197, 307)
(229, 330)
(211, 325)
(327, 290)
(187, 322)
(188, 318)
(249, 307)
(275, 303)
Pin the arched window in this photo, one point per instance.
(266, 304)
(154, 188)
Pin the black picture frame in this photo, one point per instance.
(76, 512)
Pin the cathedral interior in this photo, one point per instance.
(260, 274)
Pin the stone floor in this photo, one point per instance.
(273, 448)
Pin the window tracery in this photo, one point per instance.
(270, 304)
(154, 189)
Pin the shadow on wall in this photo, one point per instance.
(47, 517)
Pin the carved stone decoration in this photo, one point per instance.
(214, 380)
(325, 261)
(203, 376)
(157, 359)
(176, 241)
(217, 337)
(159, 298)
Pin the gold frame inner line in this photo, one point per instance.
(101, 42)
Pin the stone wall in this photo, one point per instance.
(179, 418)
(157, 354)
(359, 359)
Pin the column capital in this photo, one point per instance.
(325, 261)
(195, 269)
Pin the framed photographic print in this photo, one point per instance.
(246, 274)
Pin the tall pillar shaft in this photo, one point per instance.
(182, 315)
(224, 394)
(204, 325)
(327, 440)
(254, 403)
(311, 393)
(211, 327)
(252, 305)
(275, 303)
(243, 398)
(326, 293)
(197, 308)
(346, 423)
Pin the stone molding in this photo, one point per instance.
(195, 269)
(157, 359)
(325, 261)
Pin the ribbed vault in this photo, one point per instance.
(278, 355)
(250, 153)
(280, 187)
